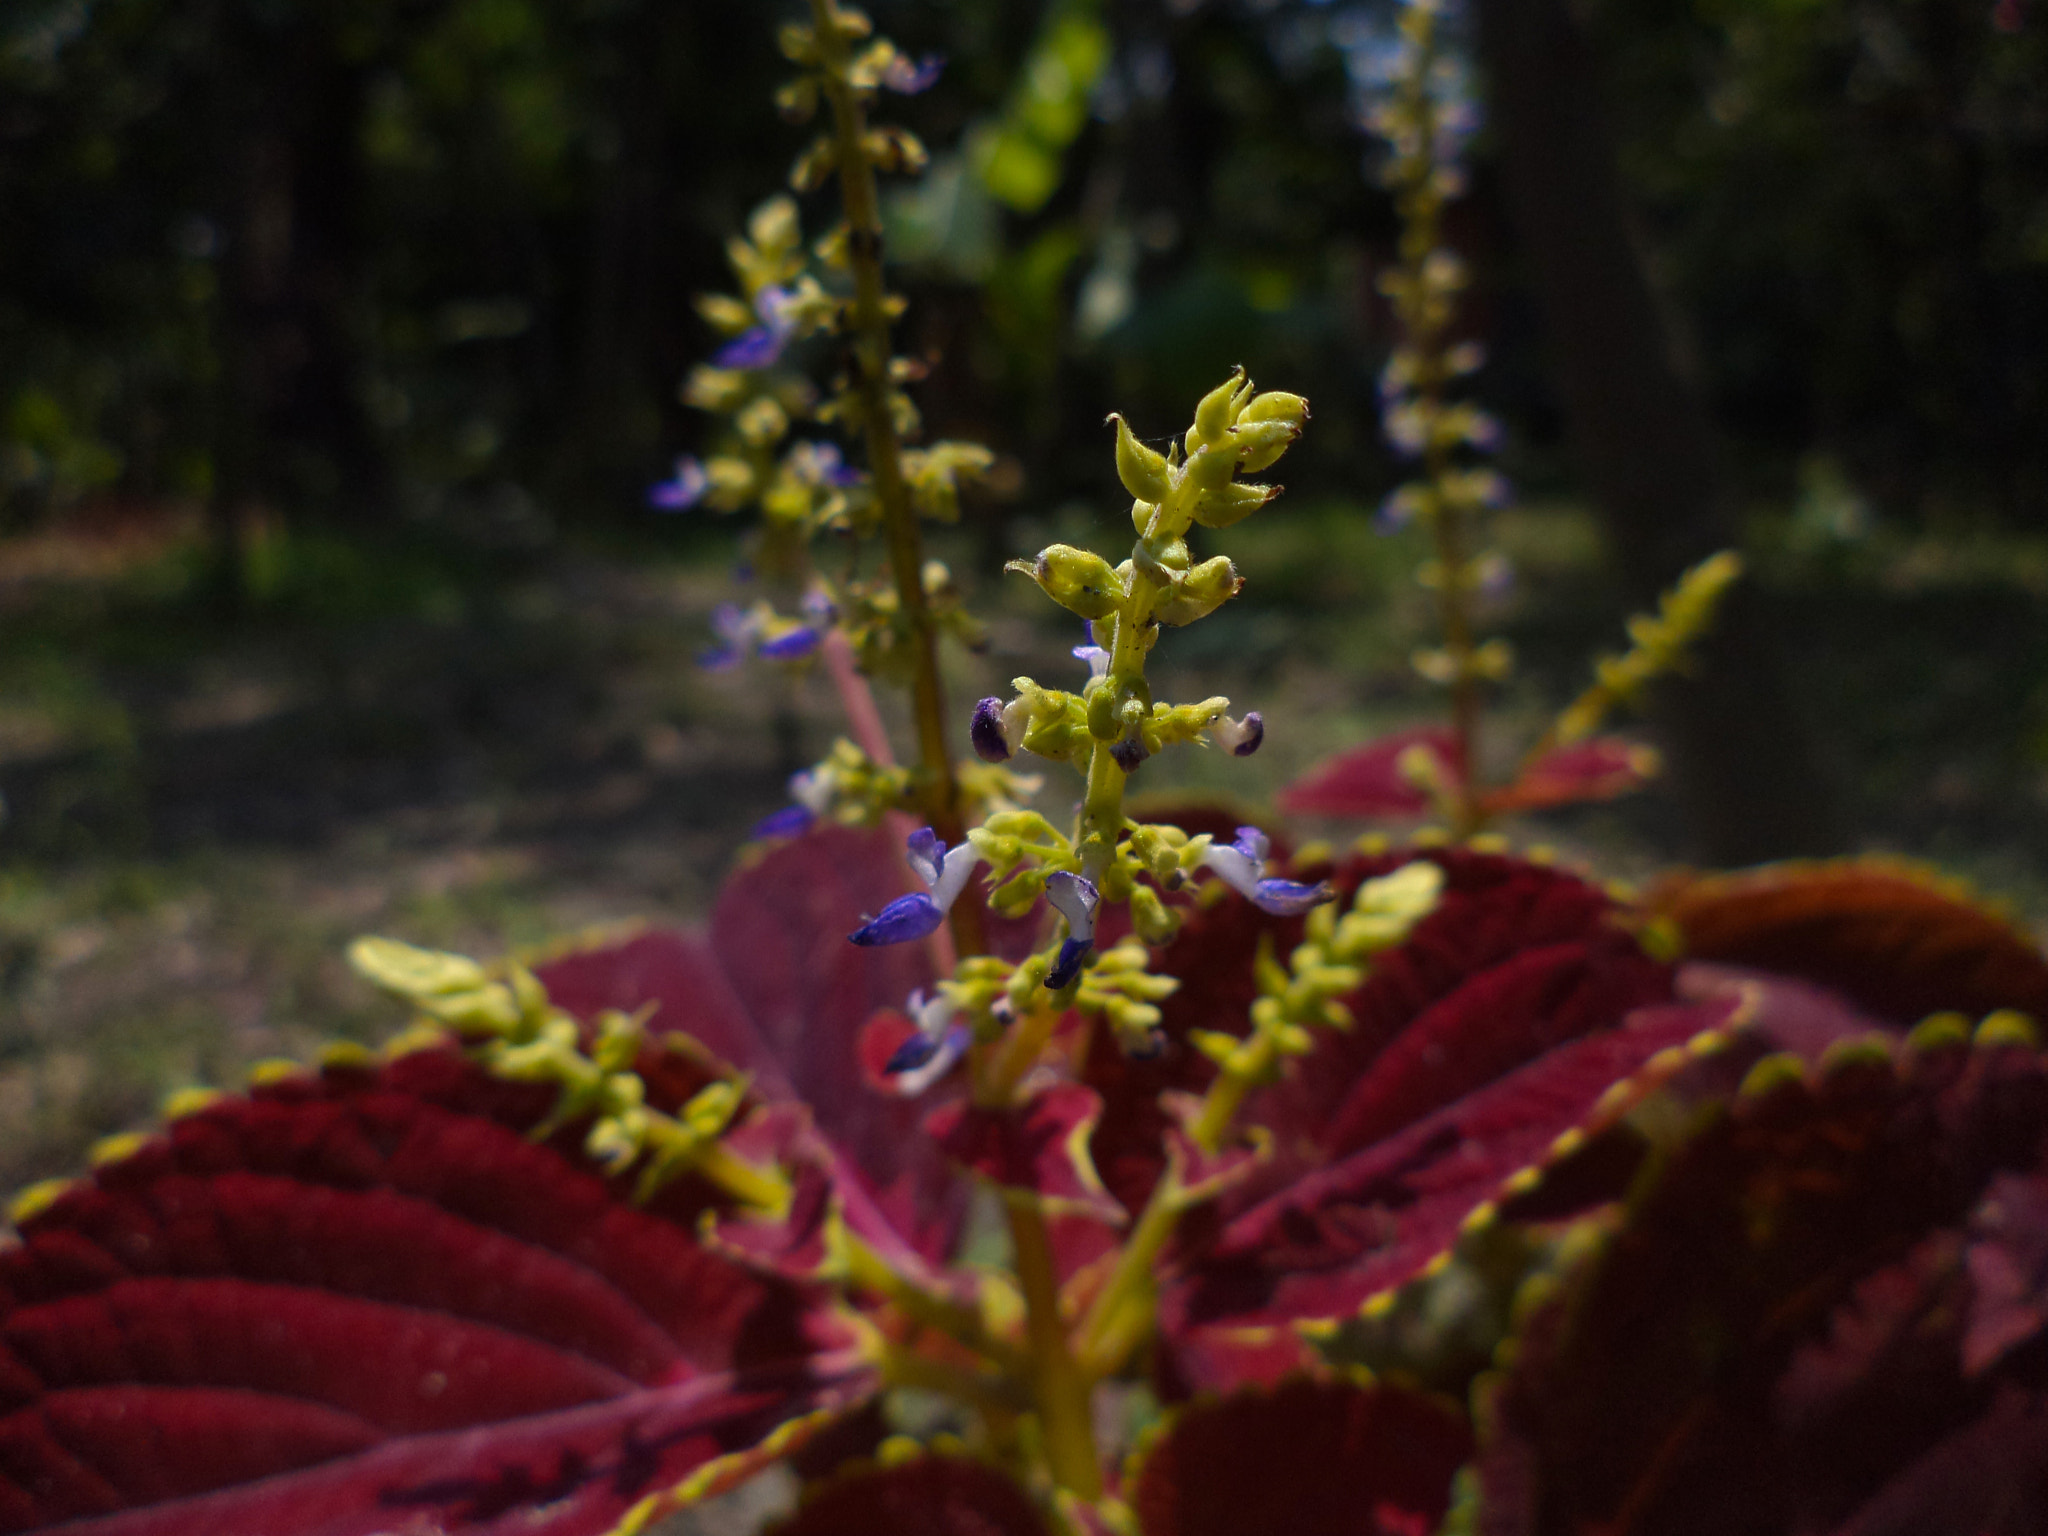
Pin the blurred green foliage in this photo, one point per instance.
(430, 260)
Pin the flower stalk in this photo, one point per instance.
(868, 356)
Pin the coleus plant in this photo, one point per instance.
(1107, 1176)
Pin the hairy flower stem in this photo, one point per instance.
(868, 360)
(1060, 1391)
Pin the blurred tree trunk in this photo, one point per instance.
(1740, 762)
(291, 429)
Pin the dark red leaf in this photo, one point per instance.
(1778, 1327)
(1502, 1017)
(1369, 781)
(1329, 1243)
(1308, 1458)
(2008, 1262)
(367, 1298)
(1039, 1146)
(1604, 768)
(1892, 940)
(1493, 908)
(930, 1496)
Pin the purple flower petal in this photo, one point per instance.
(1073, 954)
(926, 853)
(912, 1054)
(757, 348)
(1240, 738)
(908, 79)
(1291, 898)
(1128, 754)
(791, 644)
(718, 658)
(986, 732)
(683, 491)
(905, 918)
(950, 1047)
(790, 821)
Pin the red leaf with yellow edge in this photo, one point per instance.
(929, 1496)
(1373, 780)
(1038, 1147)
(1309, 1458)
(368, 1299)
(1889, 938)
(1604, 768)
(1323, 1247)
(1775, 1338)
(1494, 907)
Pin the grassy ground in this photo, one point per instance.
(202, 812)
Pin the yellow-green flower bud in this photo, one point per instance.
(1155, 921)
(1231, 504)
(1276, 405)
(1142, 470)
(1079, 580)
(1105, 721)
(1215, 413)
(1260, 443)
(1201, 592)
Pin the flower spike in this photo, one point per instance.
(1242, 866)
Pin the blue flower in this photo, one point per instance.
(990, 732)
(790, 821)
(1242, 866)
(1073, 952)
(762, 346)
(907, 917)
(685, 490)
(916, 915)
(792, 644)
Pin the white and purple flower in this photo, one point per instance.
(997, 729)
(744, 632)
(907, 78)
(945, 870)
(761, 347)
(941, 1039)
(681, 491)
(1240, 738)
(1075, 899)
(1242, 866)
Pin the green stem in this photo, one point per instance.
(868, 355)
(870, 1272)
(1123, 1312)
(1421, 205)
(1059, 1390)
(1121, 1316)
